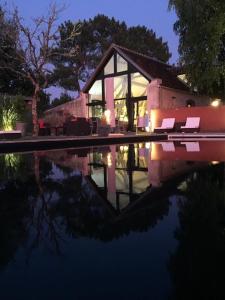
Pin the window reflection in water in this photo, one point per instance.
(121, 173)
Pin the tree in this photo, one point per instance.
(10, 82)
(35, 47)
(96, 36)
(64, 97)
(201, 30)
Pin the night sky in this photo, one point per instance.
(152, 13)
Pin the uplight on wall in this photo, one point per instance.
(215, 102)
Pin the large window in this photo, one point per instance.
(121, 64)
(121, 110)
(96, 91)
(120, 87)
(138, 85)
(109, 68)
(95, 111)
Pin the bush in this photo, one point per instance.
(12, 109)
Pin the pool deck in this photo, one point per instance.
(57, 142)
(197, 136)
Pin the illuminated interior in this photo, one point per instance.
(121, 64)
(138, 85)
(130, 95)
(109, 68)
(96, 91)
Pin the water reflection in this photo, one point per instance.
(49, 198)
(100, 193)
(197, 266)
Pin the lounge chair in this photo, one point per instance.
(167, 126)
(192, 125)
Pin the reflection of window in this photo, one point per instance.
(96, 91)
(122, 181)
(121, 64)
(138, 85)
(140, 181)
(109, 68)
(122, 156)
(120, 87)
(98, 176)
(121, 110)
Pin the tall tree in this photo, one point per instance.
(96, 36)
(201, 30)
(10, 82)
(35, 47)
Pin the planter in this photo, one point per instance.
(104, 130)
(22, 127)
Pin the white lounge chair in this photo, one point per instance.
(192, 125)
(167, 125)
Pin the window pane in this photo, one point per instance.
(121, 110)
(142, 108)
(109, 68)
(95, 111)
(138, 85)
(120, 87)
(96, 91)
(121, 64)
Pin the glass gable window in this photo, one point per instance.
(120, 87)
(96, 91)
(121, 64)
(121, 110)
(109, 68)
(138, 85)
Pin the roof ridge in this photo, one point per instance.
(140, 54)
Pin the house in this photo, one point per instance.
(130, 85)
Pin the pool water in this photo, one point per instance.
(138, 221)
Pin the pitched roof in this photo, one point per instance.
(149, 67)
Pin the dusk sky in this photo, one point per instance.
(152, 13)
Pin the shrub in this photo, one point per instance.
(12, 109)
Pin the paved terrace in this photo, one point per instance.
(58, 142)
(196, 136)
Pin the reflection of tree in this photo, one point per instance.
(198, 265)
(14, 210)
(42, 209)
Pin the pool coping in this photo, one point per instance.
(59, 142)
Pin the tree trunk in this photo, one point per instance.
(34, 111)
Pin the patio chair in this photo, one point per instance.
(192, 125)
(167, 126)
